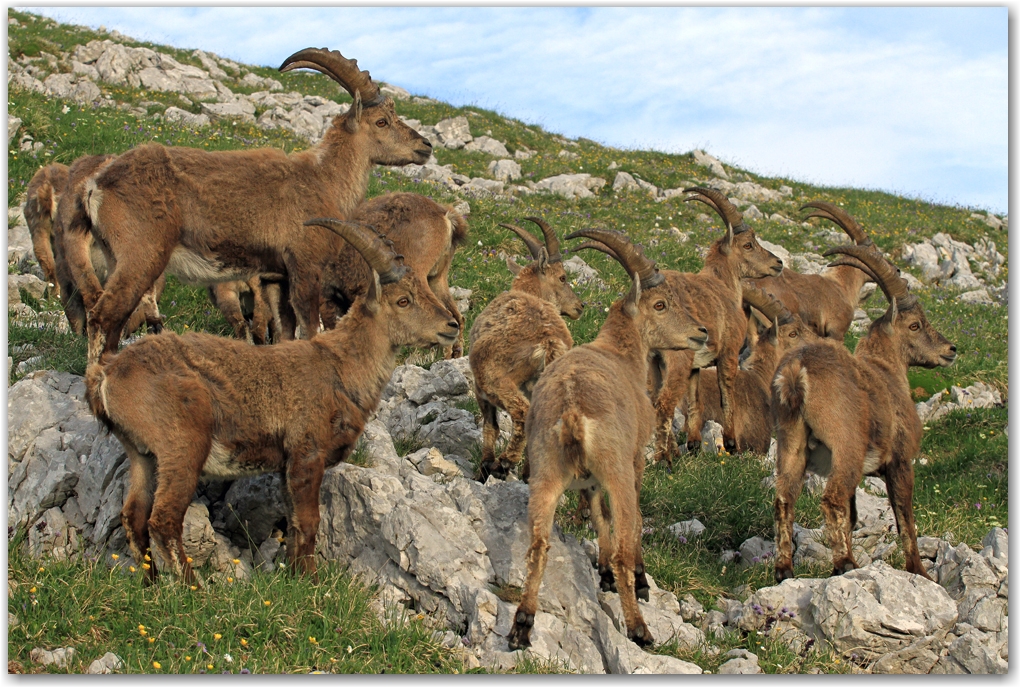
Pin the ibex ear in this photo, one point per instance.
(543, 259)
(374, 293)
(630, 306)
(728, 243)
(354, 114)
(512, 265)
(774, 332)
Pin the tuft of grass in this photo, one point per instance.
(327, 626)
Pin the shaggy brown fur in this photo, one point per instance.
(213, 216)
(43, 193)
(46, 212)
(245, 307)
(194, 406)
(845, 416)
(512, 340)
(825, 302)
(426, 233)
(752, 395)
(713, 297)
(589, 421)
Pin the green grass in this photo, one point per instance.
(304, 627)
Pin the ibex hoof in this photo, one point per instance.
(640, 636)
(693, 446)
(783, 574)
(846, 567)
(520, 633)
(730, 445)
(641, 588)
(494, 468)
(607, 580)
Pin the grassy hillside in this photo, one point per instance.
(962, 488)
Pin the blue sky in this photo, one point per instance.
(910, 100)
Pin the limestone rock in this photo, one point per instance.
(253, 507)
(108, 663)
(454, 133)
(505, 170)
(487, 145)
(756, 550)
(199, 538)
(188, 119)
(59, 658)
(742, 663)
(32, 284)
(13, 124)
(688, 529)
(571, 186)
(714, 166)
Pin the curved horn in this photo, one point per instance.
(596, 245)
(721, 204)
(552, 242)
(337, 67)
(836, 214)
(765, 303)
(372, 247)
(849, 261)
(883, 273)
(534, 247)
(629, 255)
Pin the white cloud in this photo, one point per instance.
(868, 97)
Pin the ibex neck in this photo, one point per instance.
(344, 168)
(718, 265)
(763, 364)
(526, 283)
(879, 347)
(620, 335)
(361, 356)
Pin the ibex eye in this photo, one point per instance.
(563, 279)
(914, 327)
(404, 302)
(747, 246)
(381, 123)
(661, 305)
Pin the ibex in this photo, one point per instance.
(43, 193)
(48, 206)
(426, 233)
(825, 302)
(517, 335)
(713, 297)
(246, 309)
(845, 416)
(589, 420)
(213, 216)
(752, 390)
(201, 406)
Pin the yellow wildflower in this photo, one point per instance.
(236, 562)
(267, 602)
(131, 568)
(244, 642)
(145, 566)
(209, 667)
(187, 658)
(114, 556)
(156, 665)
(151, 640)
(312, 640)
(32, 590)
(217, 636)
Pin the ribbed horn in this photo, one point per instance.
(849, 261)
(836, 214)
(627, 254)
(552, 242)
(765, 303)
(533, 244)
(372, 247)
(337, 67)
(595, 245)
(882, 272)
(721, 204)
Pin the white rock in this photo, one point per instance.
(688, 529)
(188, 119)
(109, 663)
(454, 133)
(571, 186)
(705, 160)
(742, 663)
(60, 658)
(489, 146)
(504, 170)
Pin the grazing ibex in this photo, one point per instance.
(825, 302)
(589, 421)
(752, 387)
(43, 194)
(426, 233)
(201, 406)
(713, 297)
(213, 216)
(46, 212)
(844, 416)
(517, 335)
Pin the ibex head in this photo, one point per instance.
(371, 117)
(783, 330)
(413, 314)
(740, 243)
(904, 322)
(665, 323)
(544, 276)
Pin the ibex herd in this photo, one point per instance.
(285, 242)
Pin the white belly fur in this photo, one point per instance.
(220, 464)
(192, 268)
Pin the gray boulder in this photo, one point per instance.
(742, 663)
(13, 124)
(714, 166)
(454, 133)
(32, 284)
(487, 145)
(505, 170)
(570, 186)
(108, 663)
(188, 119)
(252, 508)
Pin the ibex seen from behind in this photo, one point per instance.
(201, 406)
(517, 335)
(589, 421)
(844, 416)
(213, 216)
(713, 297)
(752, 386)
